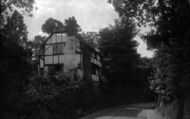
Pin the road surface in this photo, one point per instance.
(133, 111)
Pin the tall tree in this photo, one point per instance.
(52, 25)
(14, 49)
(72, 26)
(92, 38)
(171, 19)
(37, 45)
(172, 41)
(121, 59)
(15, 56)
(9, 6)
(38, 41)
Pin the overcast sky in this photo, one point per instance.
(91, 15)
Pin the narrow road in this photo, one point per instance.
(133, 111)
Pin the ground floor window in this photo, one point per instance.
(54, 69)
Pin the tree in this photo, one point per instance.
(15, 57)
(9, 6)
(171, 19)
(92, 38)
(121, 59)
(15, 52)
(172, 41)
(37, 46)
(38, 41)
(72, 26)
(52, 25)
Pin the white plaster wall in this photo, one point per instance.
(70, 61)
(68, 58)
(49, 41)
(48, 50)
(69, 45)
(56, 38)
(48, 60)
(41, 63)
(56, 59)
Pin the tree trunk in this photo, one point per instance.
(180, 114)
(158, 100)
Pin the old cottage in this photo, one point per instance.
(71, 56)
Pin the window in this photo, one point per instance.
(93, 54)
(58, 67)
(77, 50)
(94, 71)
(98, 57)
(58, 48)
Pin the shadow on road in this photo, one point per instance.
(117, 112)
(133, 111)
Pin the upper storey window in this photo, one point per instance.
(58, 48)
(77, 50)
(98, 57)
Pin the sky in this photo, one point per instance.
(91, 15)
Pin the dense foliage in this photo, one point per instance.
(121, 62)
(72, 26)
(52, 25)
(171, 39)
(15, 52)
(92, 38)
(172, 42)
(9, 6)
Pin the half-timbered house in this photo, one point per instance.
(69, 55)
